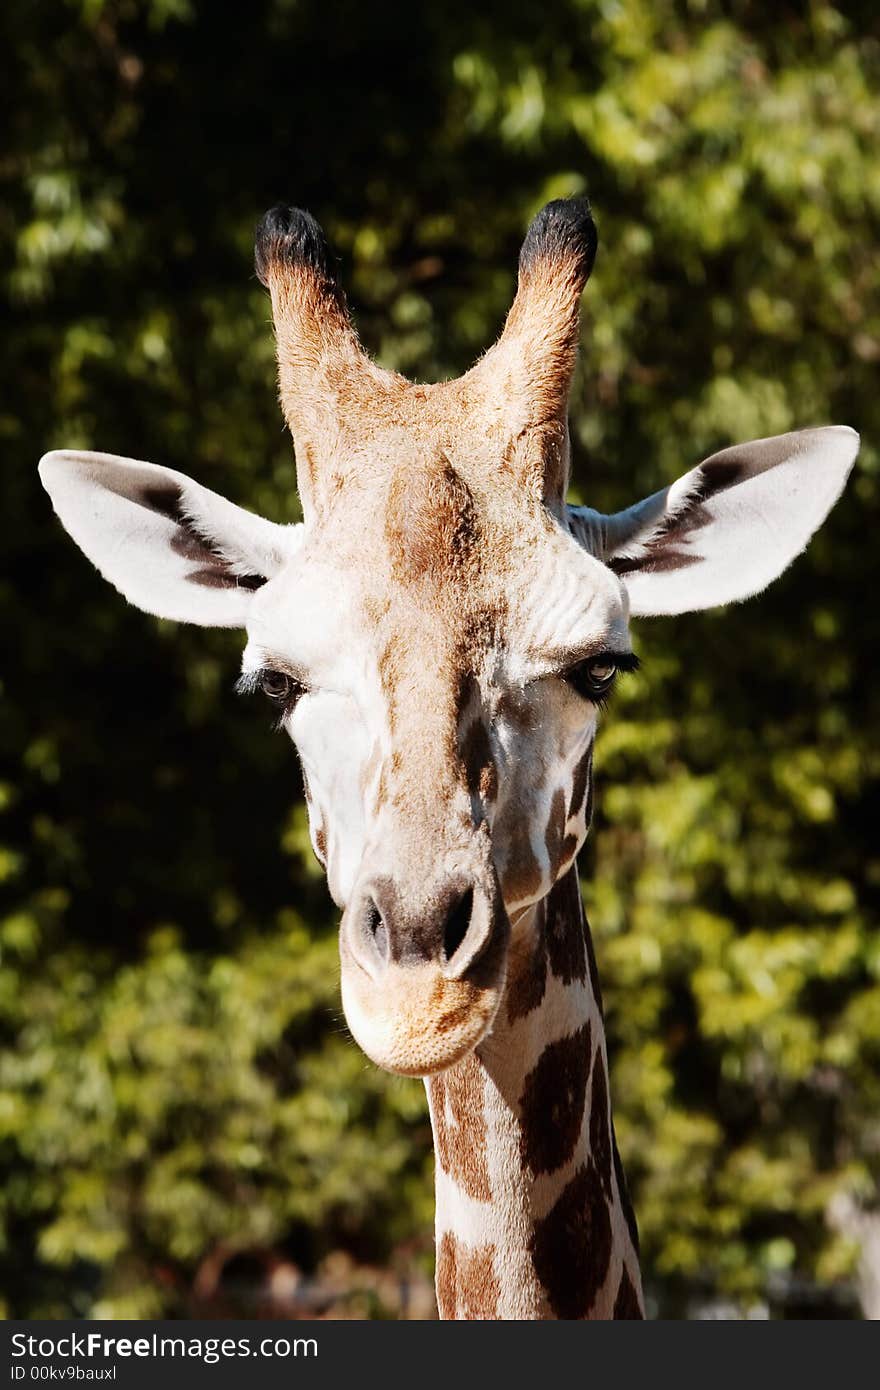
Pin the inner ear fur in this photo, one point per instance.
(726, 529)
(172, 547)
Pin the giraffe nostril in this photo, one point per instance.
(457, 924)
(377, 929)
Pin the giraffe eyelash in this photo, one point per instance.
(248, 683)
(626, 662)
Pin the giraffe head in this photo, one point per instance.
(438, 634)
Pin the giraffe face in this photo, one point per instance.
(436, 636)
(435, 633)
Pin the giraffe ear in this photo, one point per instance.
(726, 529)
(172, 547)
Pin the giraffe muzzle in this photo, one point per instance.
(421, 984)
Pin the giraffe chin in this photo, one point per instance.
(417, 1020)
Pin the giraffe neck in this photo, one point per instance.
(533, 1216)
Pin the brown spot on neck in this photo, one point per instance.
(552, 1102)
(467, 1284)
(457, 1109)
(571, 1247)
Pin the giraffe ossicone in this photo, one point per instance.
(437, 637)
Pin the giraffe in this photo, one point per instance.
(438, 637)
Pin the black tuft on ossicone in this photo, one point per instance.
(292, 237)
(563, 231)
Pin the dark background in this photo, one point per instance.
(184, 1126)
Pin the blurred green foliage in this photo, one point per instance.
(175, 1079)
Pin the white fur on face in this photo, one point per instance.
(305, 622)
(381, 790)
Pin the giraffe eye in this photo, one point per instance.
(593, 678)
(601, 671)
(281, 689)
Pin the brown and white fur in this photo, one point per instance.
(437, 637)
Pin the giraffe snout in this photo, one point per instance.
(450, 929)
(421, 982)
